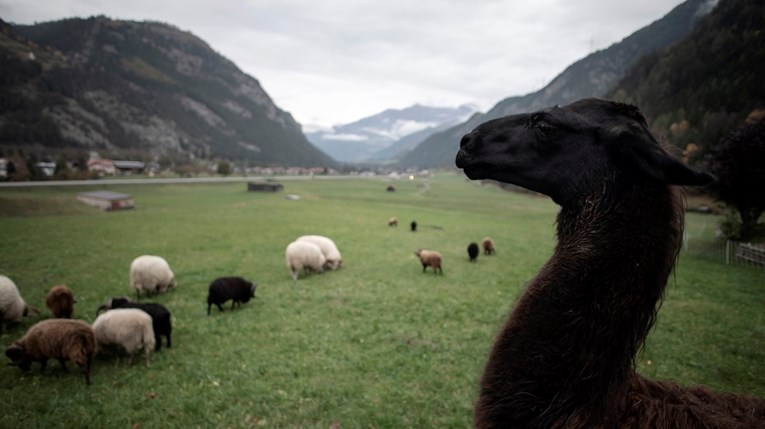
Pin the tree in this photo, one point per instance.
(738, 161)
(224, 168)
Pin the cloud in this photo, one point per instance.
(335, 61)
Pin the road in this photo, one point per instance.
(150, 181)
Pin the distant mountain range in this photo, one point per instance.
(386, 135)
(144, 89)
(592, 76)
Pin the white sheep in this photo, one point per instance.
(304, 255)
(129, 328)
(12, 305)
(152, 274)
(328, 249)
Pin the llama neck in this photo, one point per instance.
(572, 337)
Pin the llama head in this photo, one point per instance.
(569, 152)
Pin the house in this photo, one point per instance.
(101, 166)
(107, 200)
(264, 187)
(129, 167)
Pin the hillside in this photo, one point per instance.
(705, 86)
(593, 75)
(141, 88)
(385, 135)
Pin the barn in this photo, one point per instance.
(107, 200)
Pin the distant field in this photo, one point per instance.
(376, 344)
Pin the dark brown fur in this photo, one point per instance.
(60, 339)
(565, 356)
(60, 301)
(488, 246)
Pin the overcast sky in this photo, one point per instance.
(335, 61)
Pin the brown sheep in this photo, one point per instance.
(488, 246)
(60, 301)
(393, 221)
(565, 357)
(430, 258)
(60, 339)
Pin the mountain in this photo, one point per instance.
(386, 134)
(700, 89)
(141, 88)
(593, 75)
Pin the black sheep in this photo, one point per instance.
(413, 225)
(236, 289)
(472, 251)
(160, 316)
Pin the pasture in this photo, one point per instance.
(376, 344)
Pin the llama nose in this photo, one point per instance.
(467, 140)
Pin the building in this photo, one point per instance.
(107, 200)
(129, 167)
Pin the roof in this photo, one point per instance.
(129, 164)
(105, 195)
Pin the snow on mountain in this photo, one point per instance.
(369, 137)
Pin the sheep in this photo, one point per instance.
(472, 250)
(236, 289)
(328, 249)
(161, 319)
(12, 305)
(129, 328)
(304, 255)
(60, 339)
(566, 354)
(413, 226)
(430, 258)
(393, 221)
(152, 274)
(488, 245)
(60, 300)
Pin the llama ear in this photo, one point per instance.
(635, 149)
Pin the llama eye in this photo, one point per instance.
(541, 126)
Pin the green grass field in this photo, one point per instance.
(376, 344)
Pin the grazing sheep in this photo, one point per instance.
(60, 339)
(152, 274)
(393, 221)
(236, 289)
(413, 226)
(304, 255)
(129, 328)
(472, 250)
(566, 355)
(161, 319)
(60, 301)
(12, 306)
(488, 245)
(328, 249)
(430, 258)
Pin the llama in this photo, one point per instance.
(565, 355)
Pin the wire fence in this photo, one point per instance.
(728, 252)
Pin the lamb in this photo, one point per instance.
(129, 328)
(236, 289)
(393, 221)
(488, 245)
(161, 319)
(60, 339)
(472, 250)
(304, 255)
(152, 274)
(328, 248)
(60, 300)
(12, 305)
(566, 354)
(430, 258)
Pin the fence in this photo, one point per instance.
(728, 251)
